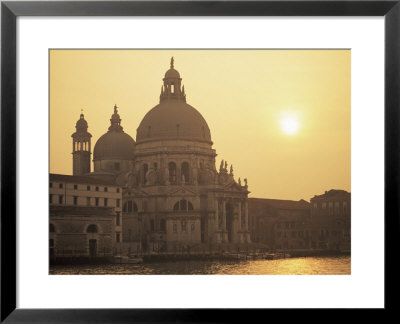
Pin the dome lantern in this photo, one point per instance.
(172, 85)
(115, 121)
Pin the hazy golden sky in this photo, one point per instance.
(243, 94)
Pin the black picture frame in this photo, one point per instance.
(10, 10)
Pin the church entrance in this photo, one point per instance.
(229, 221)
(92, 247)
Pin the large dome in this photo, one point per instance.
(173, 119)
(114, 146)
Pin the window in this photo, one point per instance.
(75, 187)
(88, 188)
(105, 189)
(51, 184)
(315, 205)
(75, 200)
(183, 205)
(192, 227)
(155, 166)
(52, 228)
(185, 172)
(183, 226)
(152, 225)
(118, 202)
(174, 227)
(118, 190)
(324, 205)
(145, 168)
(118, 237)
(130, 206)
(118, 219)
(162, 225)
(105, 202)
(50, 198)
(88, 201)
(60, 185)
(92, 228)
(172, 172)
(60, 199)
(97, 188)
(96, 201)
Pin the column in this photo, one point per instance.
(240, 222)
(216, 206)
(223, 215)
(246, 219)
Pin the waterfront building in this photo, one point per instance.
(81, 201)
(279, 224)
(81, 231)
(322, 224)
(331, 216)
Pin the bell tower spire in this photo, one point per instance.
(172, 89)
(81, 147)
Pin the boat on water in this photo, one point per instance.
(121, 259)
(276, 256)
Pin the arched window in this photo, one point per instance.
(92, 228)
(185, 171)
(172, 172)
(183, 205)
(52, 228)
(129, 207)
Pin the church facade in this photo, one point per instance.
(173, 196)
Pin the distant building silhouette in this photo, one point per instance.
(322, 224)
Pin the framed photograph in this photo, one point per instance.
(267, 162)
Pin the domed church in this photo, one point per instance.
(173, 197)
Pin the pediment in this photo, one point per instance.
(182, 191)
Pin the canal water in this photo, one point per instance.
(290, 266)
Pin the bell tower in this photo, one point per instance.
(81, 149)
(172, 85)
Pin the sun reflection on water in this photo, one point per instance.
(290, 266)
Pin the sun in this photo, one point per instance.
(290, 125)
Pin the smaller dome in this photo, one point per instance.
(81, 124)
(114, 146)
(172, 74)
